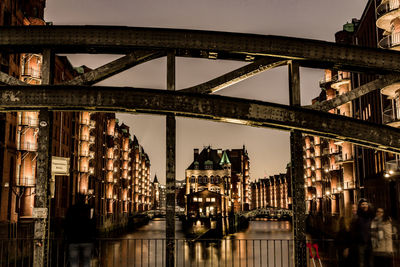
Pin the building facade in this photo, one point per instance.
(106, 163)
(213, 172)
(272, 192)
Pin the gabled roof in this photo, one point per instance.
(208, 155)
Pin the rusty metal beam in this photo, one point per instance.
(122, 40)
(42, 200)
(6, 79)
(297, 173)
(170, 168)
(211, 107)
(236, 76)
(356, 93)
(117, 66)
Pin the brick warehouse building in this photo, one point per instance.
(271, 192)
(362, 172)
(106, 163)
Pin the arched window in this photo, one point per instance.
(199, 179)
(192, 179)
(212, 179)
(217, 179)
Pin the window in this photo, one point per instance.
(213, 199)
(212, 179)
(192, 179)
(208, 199)
(200, 199)
(194, 199)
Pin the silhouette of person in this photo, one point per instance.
(361, 232)
(80, 232)
(381, 239)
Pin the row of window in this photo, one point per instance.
(205, 179)
(200, 199)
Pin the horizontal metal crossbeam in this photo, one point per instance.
(211, 107)
(123, 40)
(236, 76)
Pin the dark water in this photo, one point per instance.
(263, 243)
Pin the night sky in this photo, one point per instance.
(268, 149)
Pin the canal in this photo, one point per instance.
(263, 243)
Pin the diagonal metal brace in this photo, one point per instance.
(356, 93)
(117, 66)
(237, 75)
(6, 79)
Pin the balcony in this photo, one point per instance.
(392, 167)
(84, 138)
(29, 122)
(391, 41)
(340, 79)
(390, 117)
(92, 124)
(386, 12)
(84, 121)
(349, 185)
(340, 159)
(25, 181)
(32, 73)
(28, 146)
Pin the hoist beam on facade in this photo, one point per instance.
(236, 76)
(6, 79)
(122, 40)
(356, 93)
(211, 107)
(112, 68)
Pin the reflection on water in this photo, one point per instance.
(263, 243)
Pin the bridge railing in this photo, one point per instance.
(118, 252)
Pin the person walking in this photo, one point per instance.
(361, 233)
(381, 239)
(80, 232)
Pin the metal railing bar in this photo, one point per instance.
(240, 260)
(274, 254)
(267, 254)
(254, 256)
(246, 253)
(141, 253)
(148, 252)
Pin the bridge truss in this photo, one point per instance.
(139, 45)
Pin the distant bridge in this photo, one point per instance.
(269, 213)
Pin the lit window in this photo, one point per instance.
(208, 199)
(213, 199)
(195, 199)
(200, 199)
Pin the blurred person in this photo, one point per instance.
(80, 232)
(361, 233)
(344, 241)
(381, 239)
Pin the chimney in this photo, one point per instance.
(196, 153)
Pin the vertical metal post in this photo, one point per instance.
(297, 173)
(170, 170)
(41, 209)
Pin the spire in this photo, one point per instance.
(155, 179)
(224, 159)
